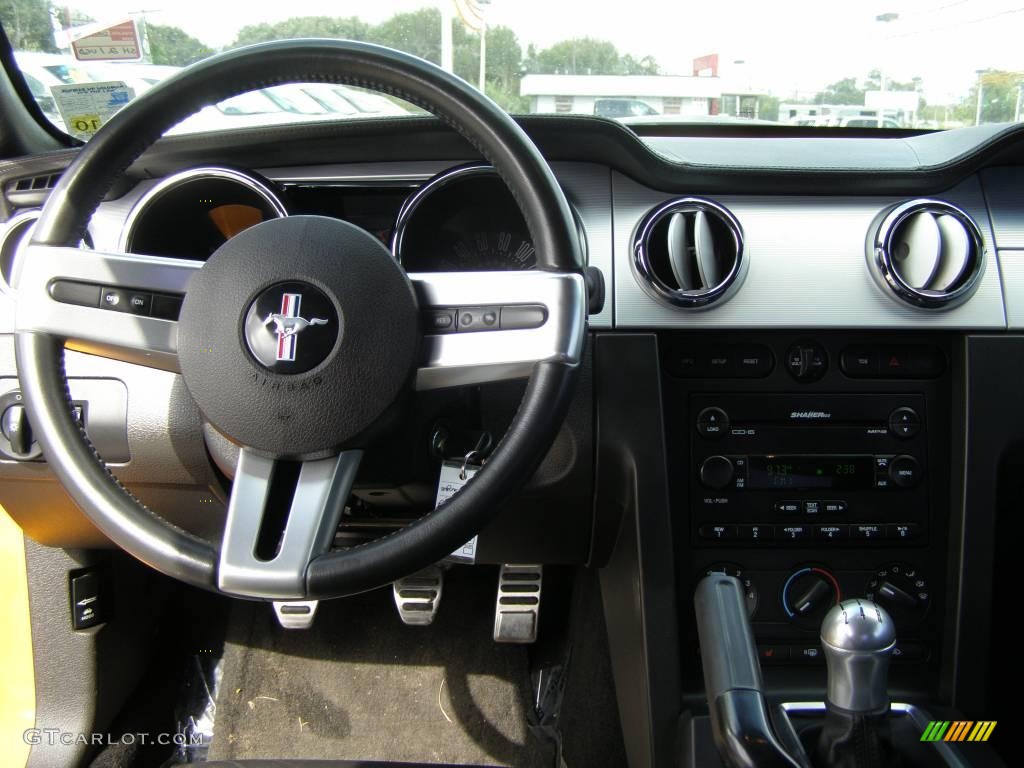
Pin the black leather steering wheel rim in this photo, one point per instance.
(177, 553)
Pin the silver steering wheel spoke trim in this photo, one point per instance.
(140, 339)
(314, 511)
(477, 357)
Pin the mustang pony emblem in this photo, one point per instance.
(288, 323)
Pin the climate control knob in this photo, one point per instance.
(808, 594)
(716, 472)
(902, 590)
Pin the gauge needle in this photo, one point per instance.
(232, 219)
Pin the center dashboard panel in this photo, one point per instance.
(814, 469)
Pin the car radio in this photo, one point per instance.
(808, 468)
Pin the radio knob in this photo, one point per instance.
(904, 471)
(716, 472)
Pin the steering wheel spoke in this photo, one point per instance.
(502, 324)
(281, 516)
(119, 305)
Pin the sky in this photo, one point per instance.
(786, 47)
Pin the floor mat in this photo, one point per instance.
(361, 685)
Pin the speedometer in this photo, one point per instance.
(463, 220)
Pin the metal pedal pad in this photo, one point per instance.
(518, 606)
(418, 596)
(295, 614)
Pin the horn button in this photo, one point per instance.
(297, 334)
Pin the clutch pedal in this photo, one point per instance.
(517, 610)
(418, 596)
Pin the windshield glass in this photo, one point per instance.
(915, 64)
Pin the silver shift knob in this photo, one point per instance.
(858, 637)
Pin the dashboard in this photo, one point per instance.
(791, 377)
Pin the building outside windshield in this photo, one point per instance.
(906, 64)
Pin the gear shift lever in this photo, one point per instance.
(858, 638)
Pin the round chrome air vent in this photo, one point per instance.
(689, 253)
(928, 253)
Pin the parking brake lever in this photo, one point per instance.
(740, 720)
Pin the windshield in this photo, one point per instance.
(906, 64)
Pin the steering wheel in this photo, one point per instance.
(298, 337)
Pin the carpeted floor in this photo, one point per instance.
(361, 685)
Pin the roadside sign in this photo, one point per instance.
(103, 42)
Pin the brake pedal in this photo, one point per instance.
(418, 596)
(517, 610)
(295, 614)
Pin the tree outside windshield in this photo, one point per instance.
(909, 64)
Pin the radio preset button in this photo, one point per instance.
(831, 531)
(794, 532)
(716, 472)
(757, 532)
(788, 507)
(904, 531)
(904, 471)
(718, 531)
(712, 423)
(867, 531)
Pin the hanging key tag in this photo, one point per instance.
(454, 475)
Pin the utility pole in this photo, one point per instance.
(483, 46)
(446, 36)
(981, 94)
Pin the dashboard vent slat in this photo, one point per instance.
(928, 253)
(689, 253)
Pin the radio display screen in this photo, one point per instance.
(850, 473)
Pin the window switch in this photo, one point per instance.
(88, 606)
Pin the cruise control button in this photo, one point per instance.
(113, 298)
(138, 303)
(718, 531)
(477, 318)
(522, 317)
(166, 307)
(72, 292)
(831, 531)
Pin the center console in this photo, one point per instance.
(813, 469)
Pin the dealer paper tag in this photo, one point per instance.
(453, 477)
(85, 107)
